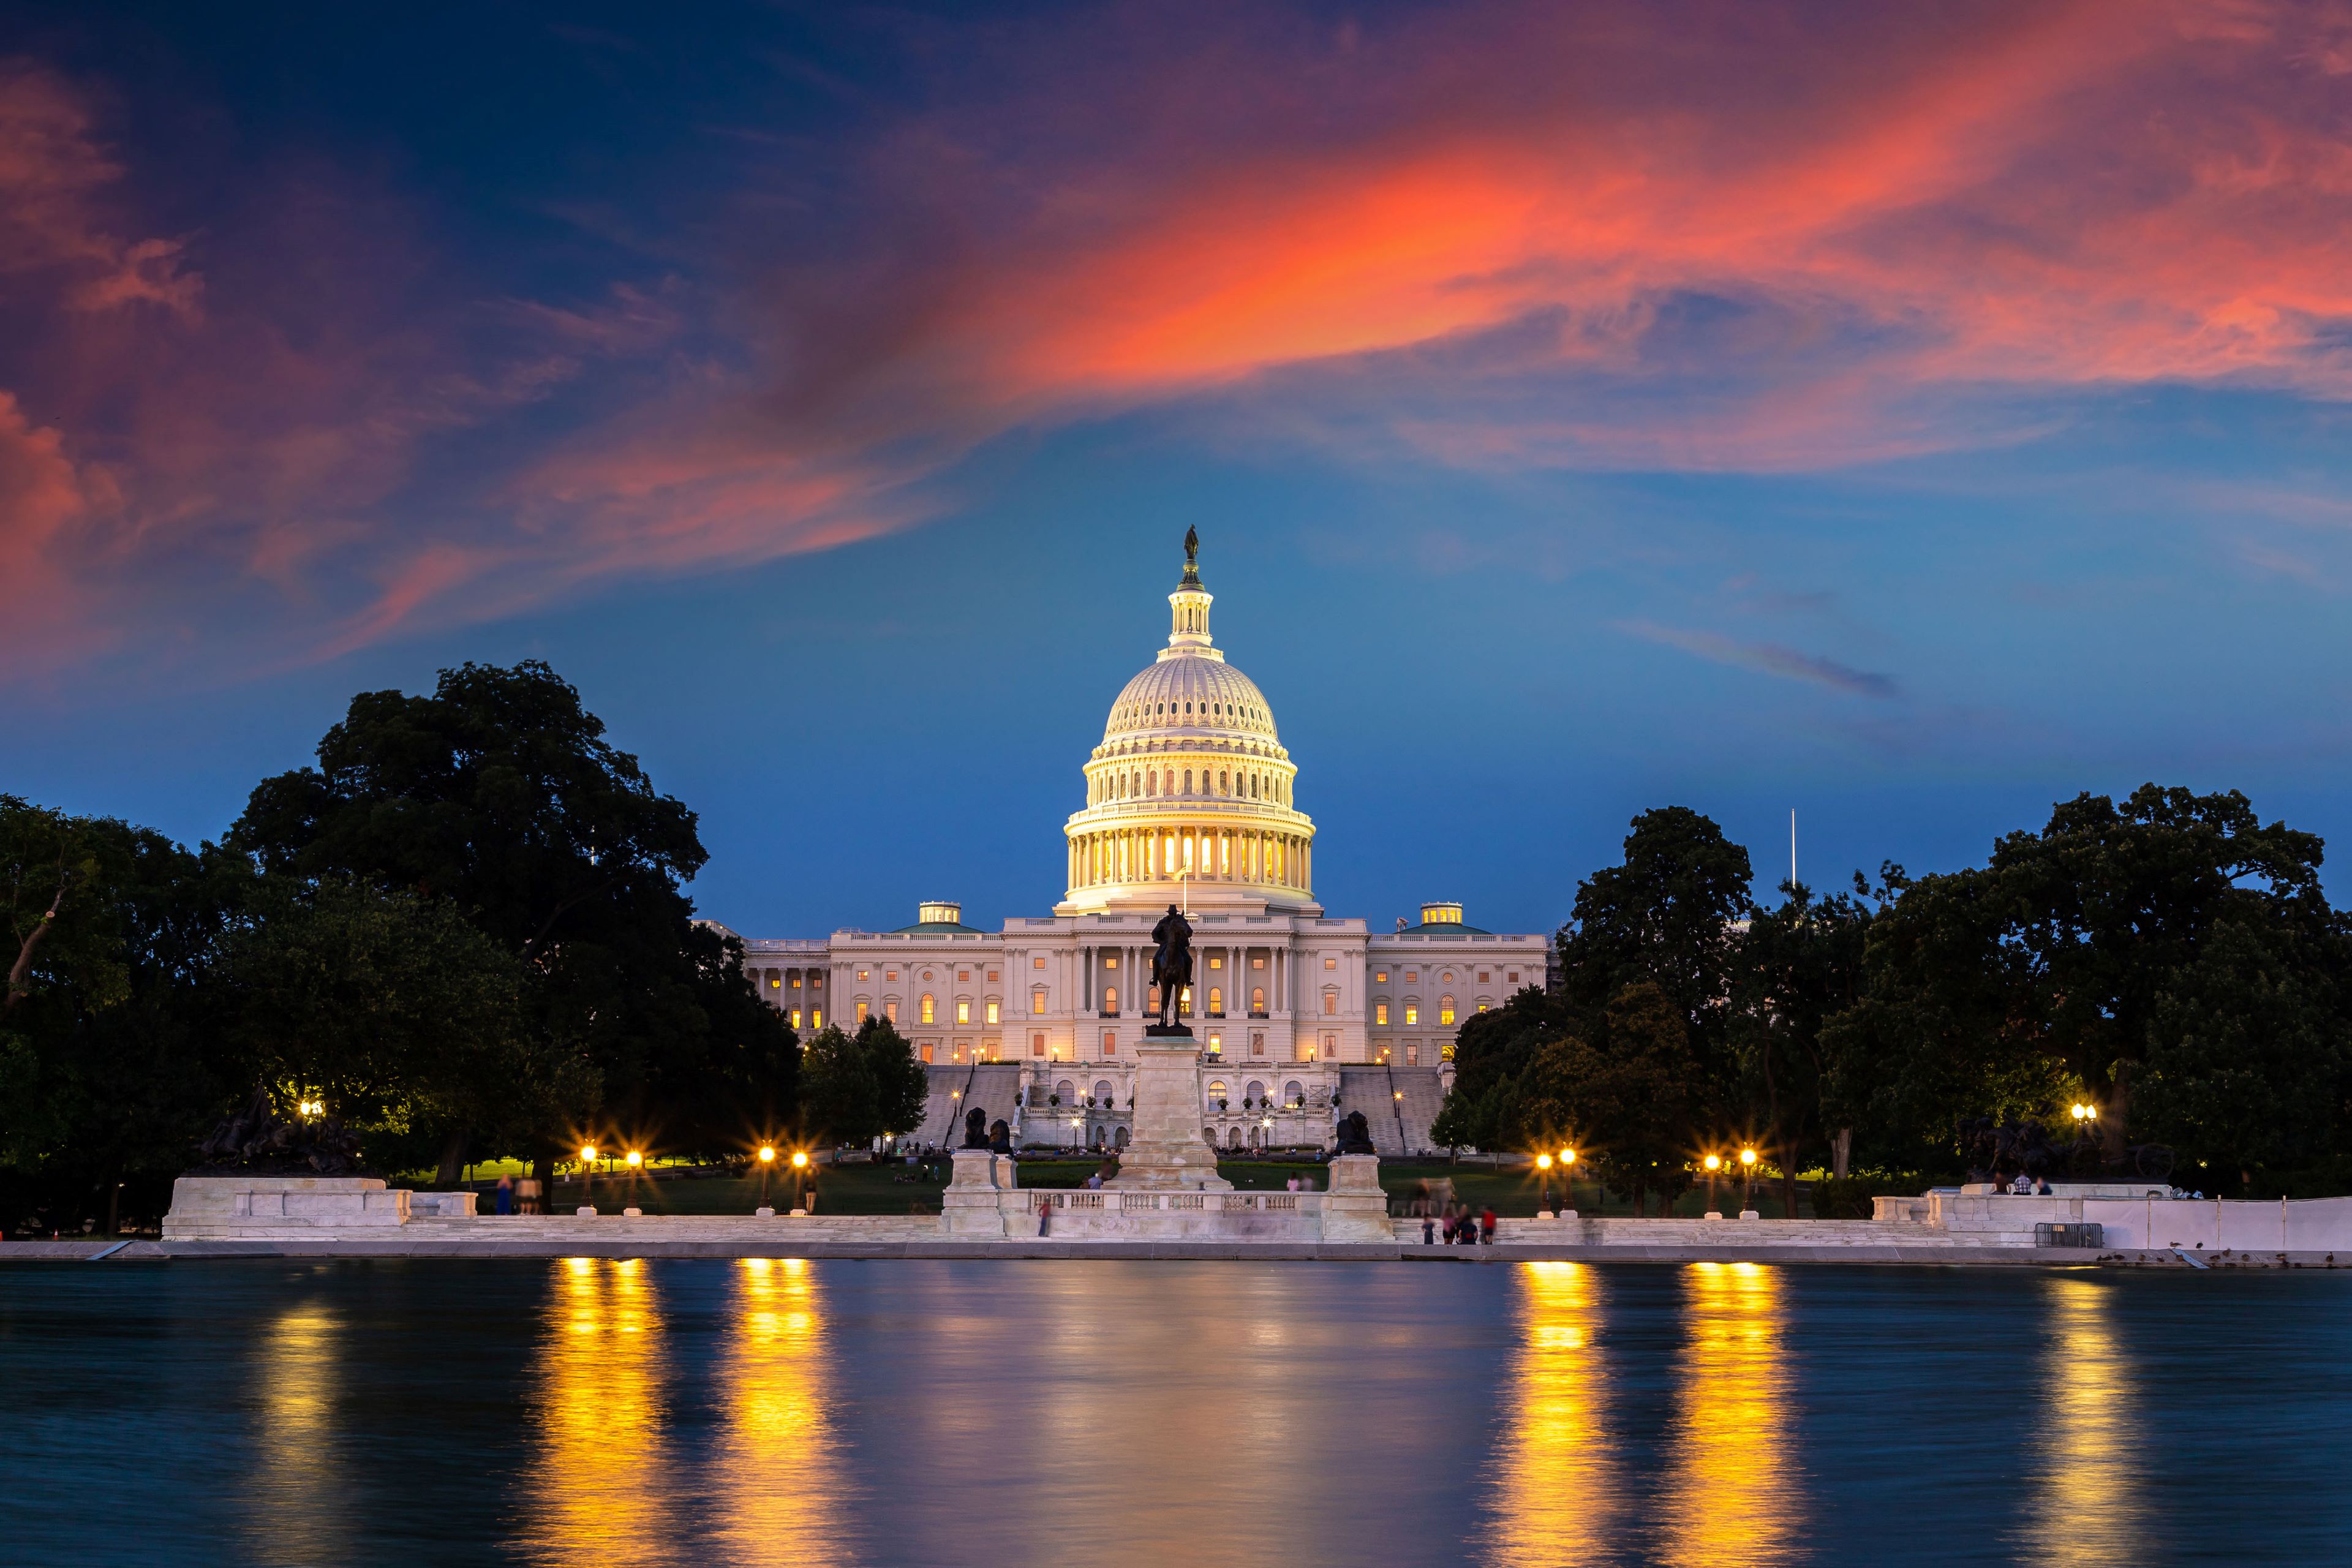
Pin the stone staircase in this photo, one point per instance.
(991, 1086)
(1400, 1127)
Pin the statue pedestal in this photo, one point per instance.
(1356, 1209)
(1167, 1149)
(970, 1206)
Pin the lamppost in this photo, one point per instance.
(1746, 1180)
(800, 1179)
(767, 1163)
(1567, 1177)
(1713, 1163)
(636, 1160)
(588, 1176)
(1543, 1163)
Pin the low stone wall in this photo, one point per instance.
(221, 1207)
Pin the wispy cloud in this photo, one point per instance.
(1771, 658)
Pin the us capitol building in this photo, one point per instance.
(1302, 1016)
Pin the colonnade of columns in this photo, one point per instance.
(1239, 996)
(794, 990)
(1217, 854)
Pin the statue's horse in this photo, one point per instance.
(1171, 961)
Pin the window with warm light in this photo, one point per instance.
(930, 1009)
(1036, 1044)
(864, 974)
(889, 975)
(1330, 1003)
(1216, 1002)
(991, 1011)
(796, 1017)
(1258, 963)
(1380, 977)
(1037, 1000)
(1380, 1011)
(1412, 1013)
(1110, 999)
(991, 977)
(1257, 998)
(1038, 961)
(1411, 1054)
(1446, 1009)
(926, 1050)
(890, 1012)
(863, 1008)
(1110, 961)
(1330, 963)
(964, 976)
(1110, 1042)
(816, 1018)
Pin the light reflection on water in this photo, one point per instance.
(1733, 1496)
(1555, 1500)
(722, 1411)
(782, 1480)
(603, 1488)
(2091, 1503)
(295, 1490)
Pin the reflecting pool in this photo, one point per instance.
(778, 1411)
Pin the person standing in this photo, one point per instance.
(1045, 1214)
(528, 1196)
(503, 1200)
(1428, 1228)
(1486, 1226)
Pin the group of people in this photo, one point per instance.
(1461, 1228)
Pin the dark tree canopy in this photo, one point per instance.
(500, 793)
(857, 1088)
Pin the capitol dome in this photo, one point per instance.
(1188, 795)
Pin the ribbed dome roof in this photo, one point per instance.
(1193, 698)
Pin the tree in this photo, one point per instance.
(1796, 967)
(2249, 1057)
(1622, 1091)
(1490, 1052)
(1996, 990)
(1667, 917)
(857, 1088)
(500, 793)
(111, 1065)
(390, 1006)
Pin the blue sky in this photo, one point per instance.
(1950, 423)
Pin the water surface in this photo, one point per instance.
(786, 1412)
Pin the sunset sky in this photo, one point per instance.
(1905, 415)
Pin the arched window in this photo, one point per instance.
(929, 1007)
(1446, 1009)
(1217, 1001)
(1102, 1091)
(1293, 1095)
(1067, 1091)
(1188, 780)
(1111, 998)
(1151, 783)
(1257, 998)
(1223, 787)
(1217, 1088)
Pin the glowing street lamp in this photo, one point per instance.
(800, 1178)
(767, 1163)
(1543, 1163)
(588, 1175)
(1568, 1176)
(1746, 1179)
(1713, 1163)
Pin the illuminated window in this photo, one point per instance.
(1330, 1003)
(1380, 1011)
(816, 1020)
(1258, 963)
(1037, 1000)
(930, 1009)
(1111, 998)
(889, 975)
(861, 1011)
(890, 1012)
(774, 983)
(1110, 1042)
(991, 977)
(927, 1053)
(1216, 1002)
(1411, 1054)
(1446, 1009)
(796, 982)
(1216, 1043)
(1380, 975)
(1446, 1053)
(1110, 961)
(796, 1017)
(1482, 1007)
(1412, 1014)
(1038, 961)
(1484, 978)
(1330, 963)
(1217, 1088)
(1257, 998)
(964, 976)
(1036, 1044)
(991, 1011)
(963, 1012)
(1216, 963)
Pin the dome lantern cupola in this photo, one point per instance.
(1189, 606)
